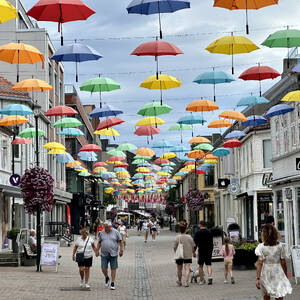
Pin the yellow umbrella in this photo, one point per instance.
(143, 170)
(210, 161)
(199, 140)
(233, 115)
(54, 145)
(57, 151)
(13, 120)
(107, 131)
(292, 96)
(177, 177)
(232, 45)
(150, 121)
(145, 152)
(168, 155)
(189, 167)
(113, 162)
(81, 170)
(32, 85)
(72, 164)
(7, 11)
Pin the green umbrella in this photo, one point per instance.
(204, 146)
(67, 123)
(126, 147)
(99, 84)
(84, 174)
(288, 38)
(180, 127)
(138, 161)
(142, 157)
(30, 133)
(170, 164)
(116, 152)
(154, 109)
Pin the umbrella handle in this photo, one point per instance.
(247, 26)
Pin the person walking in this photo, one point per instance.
(153, 229)
(204, 242)
(146, 226)
(123, 232)
(271, 273)
(188, 252)
(84, 247)
(109, 241)
(227, 251)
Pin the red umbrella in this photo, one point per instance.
(116, 158)
(90, 148)
(156, 48)
(122, 165)
(21, 141)
(232, 144)
(199, 171)
(259, 73)
(99, 164)
(188, 163)
(60, 11)
(160, 161)
(109, 123)
(60, 110)
(147, 131)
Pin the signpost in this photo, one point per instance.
(49, 254)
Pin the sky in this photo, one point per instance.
(115, 34)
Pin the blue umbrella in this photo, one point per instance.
(87, 156)
(213, 77)
(207, 165)
(146, 165)
(71, 131)
(220, 152)
(235, 134)
(252, 100)
(64, 158)
(16, 109)
(76, 52)
(178, 149)
(162, 145)
(279, 109)
(191, 119)
(185, 158)
(149, 7)
(181, 173)
(106, 111)
(120, 170)
(254, 121)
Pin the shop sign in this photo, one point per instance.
(218, 242)
(267, 177)
(15, 179)
(297, 164)
(289, 193)
(265, 197)
(49, 255)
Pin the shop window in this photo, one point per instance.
(279, 211)
(210, 177)
(267, 153)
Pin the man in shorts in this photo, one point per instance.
(204, 242)
(109, 242)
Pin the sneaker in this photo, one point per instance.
(210, 281)
(232, 280)
(106, 281)
(112, 286)
(225, 281)
(202, 282)
(87, 286)
(81, 283)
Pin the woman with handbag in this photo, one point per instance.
(184, 248)
(83, 255)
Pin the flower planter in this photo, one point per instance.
(244, 259)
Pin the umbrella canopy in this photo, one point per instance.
(16, 109)
(116, 152)
(232, 143)
(202, 105)
(147, 130)
(191, 119)
(211, 156)
(90, 148)
(196, 154)
(76, 52)
(87, 156)
(7, 11)
(60, 11)
(71, 131)
(231, 45)
(60, 110)
(219, 124)
(105, 111)
(67, 123)
(13, 120)
(233, 115)
(199, 139)
(109, 132)
(148, 121)
(109, 122)
(168, 155)
(54, 145)
(126, 147)
(213, 77)
(149, 7)
(236, 134)
(292, 96)
(154, 109)
(180, 127)
(220, 152)
(73, 164)
(244, 4)
(145, 152)
(164, 82)
(21, 141)
(56, 151)
(19, 53)
(64, 158)
(254, 121)
(279, 109)
(252, 100)
(143, 170)
(204, 147)
(160, 161)
(115, 158)
(32, 85)
(162, 145)
(99, 164)
(30, 133)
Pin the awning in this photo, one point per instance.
(62, 196)
(284, 180)
(144, 214)
(242, 195)
(10, 191)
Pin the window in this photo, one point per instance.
(267, 154)
(279, 211)
(56, 84)
(50, 74)
(210, 177)
(286, 141)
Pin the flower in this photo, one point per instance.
(170, 208)
(194, 199)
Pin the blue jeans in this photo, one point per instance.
(113, 260)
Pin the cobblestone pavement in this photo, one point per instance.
(146, 272)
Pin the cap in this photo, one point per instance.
(107, 222)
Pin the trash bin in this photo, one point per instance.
(234, 232)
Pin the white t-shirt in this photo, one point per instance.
(122, 229)
(80, 243)
(154, 225)
(145, 225)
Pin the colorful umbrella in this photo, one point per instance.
(236, 134)
(147, 131)
(168, 155)
(292, 96)
(84, 174)
(199, 139)
(56, 151)
(145, 152)
(154, 109)
(16, 109)
(64, 158)
(232, 143)
(116, 152)
(254, 121)
(220, 152)
(252, 100)
(67, 123)
(179, 149)
(259, 73)
(231, 45)
(13, 120)
(60, 11)
(196, 154)
(162, 145)
(160, 161)
(191, 119)
(204, 147)
(77, 53)
(126, 147)
(21, 141)
(54, 145)
(99, 164)
(32, 85)
(7, 11)
(106, 111)
(279, 109)
(244, 4)
(202, 105)
(90, 148)
(219, 124)
(71, 131)
(30, 133)
(18, 53)
(108, 132)
(213, 77)
(149, 7)
(148, 121)
(232, 115)
(60, 110)
(87, 156)
(180, 127)
(115, 158)
(73, 164)
(109, 122)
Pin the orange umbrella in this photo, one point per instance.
(211, 156)
(199, 140)
(202, 105)
(32, 85)
(74, 163)
(13, 120)
(233, 115)
(196, 154)
(145, 152)
(219, 124)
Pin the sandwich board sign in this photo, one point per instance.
(49, 254)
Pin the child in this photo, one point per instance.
(227, 251)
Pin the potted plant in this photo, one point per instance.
(12, 235)
(245, 258)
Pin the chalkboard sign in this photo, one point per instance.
(218, 242)
(296, 261)
(49, 255)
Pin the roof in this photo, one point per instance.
(6, 89)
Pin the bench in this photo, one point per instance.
(30, 257)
